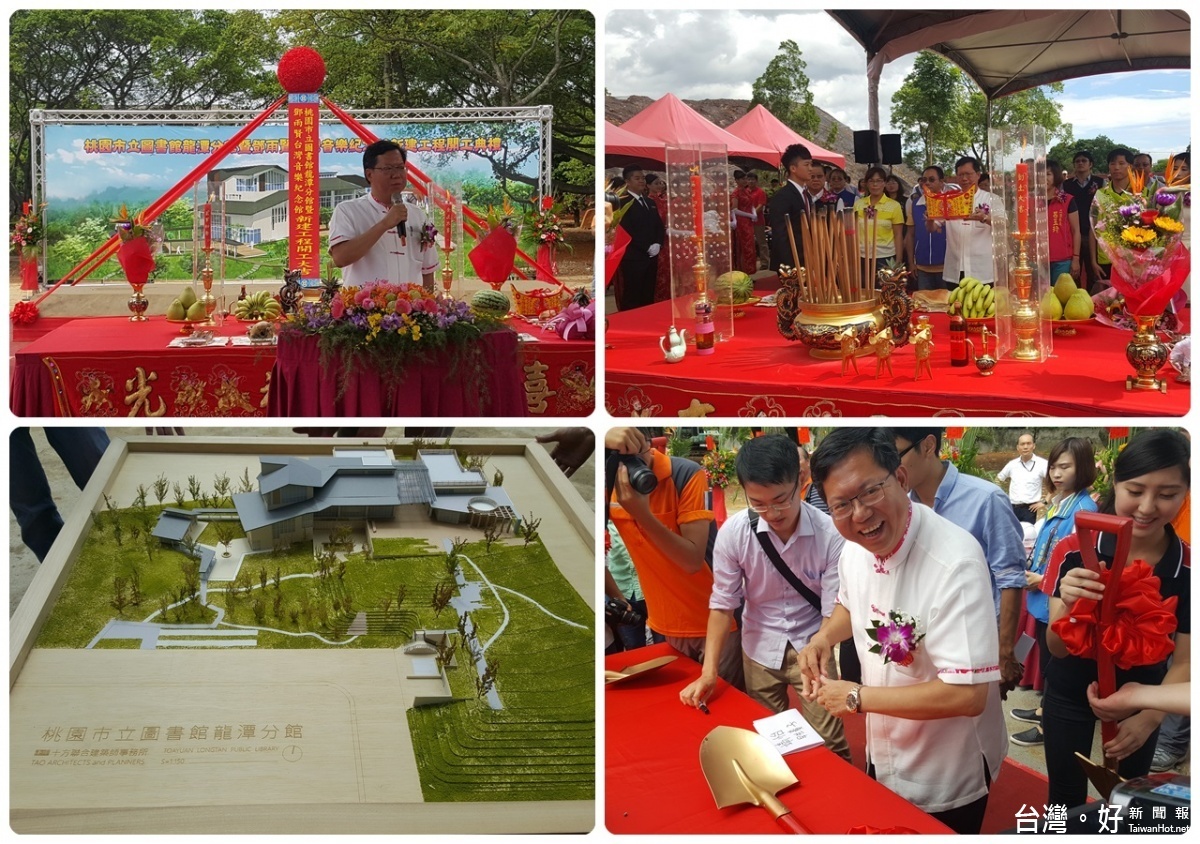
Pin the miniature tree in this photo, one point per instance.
(225, 533)
(451, 561)
(278, 577)
(491, 532)
(135, 584)
(445, 651)
(442, 593)
(140, 501)
(245, 484)
(529, 528)
(277, 606)
(135, 532)
(194, 489)
(190, 545)
(385, 604)
(341, 571)
(259, 608)
(221, 487)
(191, 578)
(294, 615)
(150, 545)
(339, 536)
(117, 532)
(462, 627)
(231, 599)
(498, 478)
(161, 487)
(164, 607)
(485, 682)
(120, 598)
(401, 594)
(262, 578)
(457, 545)
(178, 491)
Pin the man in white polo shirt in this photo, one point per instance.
(916, 598)
(1026, 476)
(377, 237)
(781, 557)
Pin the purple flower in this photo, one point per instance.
(1164, 198)
(1130, 211)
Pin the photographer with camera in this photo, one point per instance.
(657, 504)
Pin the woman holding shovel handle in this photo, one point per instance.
(1150, 483)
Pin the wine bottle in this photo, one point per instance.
(958, 336)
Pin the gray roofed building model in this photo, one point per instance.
(357, 484)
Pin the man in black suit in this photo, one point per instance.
(639, 265)
(789, 200)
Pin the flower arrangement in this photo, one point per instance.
(126, 227)
(1143, 238)
(27, 232)
(384, 325)
(542, 224)
(718, 466)
(502, 218)
(896, 637)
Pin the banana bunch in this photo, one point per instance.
(258, 305)
(978, 299)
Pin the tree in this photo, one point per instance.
(120, 598)
(224, 531)
(1031, 107)
(498, 478)
(446, 646)
(161, 487)
(486, 681)
(179, 499)
(1099, 147)
(927, 109)
(245, 484)
(491, 532)
(451, 561)
(419, 58)
(783, 90)
(442, 593)
(529, 529)
(221, 486)
(401, 594)
(194, 488)
(132, 58)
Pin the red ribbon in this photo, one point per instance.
(1140, 629)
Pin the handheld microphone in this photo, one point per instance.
(401, 229)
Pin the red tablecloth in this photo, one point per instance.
(759, 373)
(654, 783)
(107, 366)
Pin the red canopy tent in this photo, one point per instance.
(759, 125)
(670, 120)
(620, 142)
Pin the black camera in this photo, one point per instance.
(641, 476)
(617, 613)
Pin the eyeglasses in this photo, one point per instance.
(779, 508)
(869, 497)
(905, 451)
(390, 169)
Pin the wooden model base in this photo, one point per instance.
(247, 741)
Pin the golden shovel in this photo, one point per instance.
(743, 767)
(611, 677)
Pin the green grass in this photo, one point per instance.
(468, 752)
(119, 644)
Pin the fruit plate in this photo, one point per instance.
(1070, 327)
(975, 324)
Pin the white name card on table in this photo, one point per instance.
(788, 731)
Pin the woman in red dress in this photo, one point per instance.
(745, 252)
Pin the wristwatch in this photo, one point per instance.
(852, 699)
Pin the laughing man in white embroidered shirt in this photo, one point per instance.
(377, 237)
(916, 596)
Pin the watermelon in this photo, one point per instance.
(491, 302)
(733, 288)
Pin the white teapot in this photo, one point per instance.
(673, 345)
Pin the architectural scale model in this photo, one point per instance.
(354, 552)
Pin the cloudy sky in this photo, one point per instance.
(646, 53)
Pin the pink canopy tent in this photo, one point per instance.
(670, 120)
(622, 143)
(758, 124)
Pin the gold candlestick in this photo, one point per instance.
(447, 272)
(704, 331)
(1025, 316)
(209, 300)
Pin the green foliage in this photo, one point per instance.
(943, 115)
(1099, 147)
(783, 90)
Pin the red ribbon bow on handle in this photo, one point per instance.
(1131, 625)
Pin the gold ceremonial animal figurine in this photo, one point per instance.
(883, 344)
(922, 341)
(850, 344)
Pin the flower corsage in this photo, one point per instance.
(429, 235)
(896, 637)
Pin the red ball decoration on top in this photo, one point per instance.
(301, 71)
